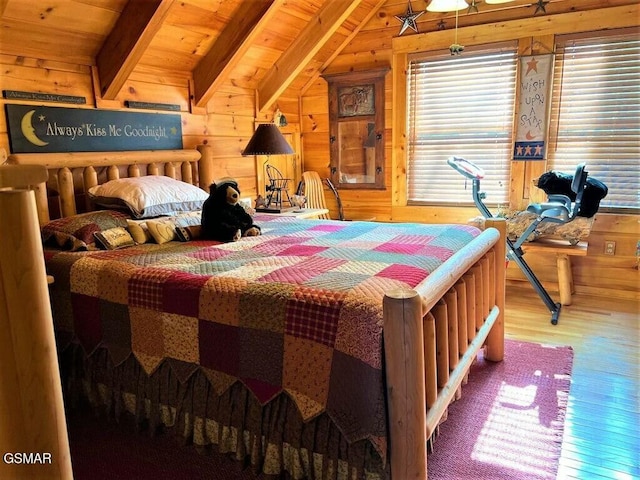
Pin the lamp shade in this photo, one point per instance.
(267, 140)
(491, 2)
(446, 5)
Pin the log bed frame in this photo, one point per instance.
(432, 333)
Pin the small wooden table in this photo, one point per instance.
(299, 213)
(563, 252)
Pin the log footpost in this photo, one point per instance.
(405, 366)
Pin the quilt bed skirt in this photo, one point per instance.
(179, 399)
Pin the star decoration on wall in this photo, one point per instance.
(473, 7)
(532, 65)
(408, 19)
(541, 7)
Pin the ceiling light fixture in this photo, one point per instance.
(446, 5)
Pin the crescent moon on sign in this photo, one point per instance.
(529, 136)
(29, 132)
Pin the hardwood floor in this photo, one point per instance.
(602, 428)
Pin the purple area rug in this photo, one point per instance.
(508, 425)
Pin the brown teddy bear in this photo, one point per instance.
(223, 218)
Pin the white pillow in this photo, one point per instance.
(148, 196)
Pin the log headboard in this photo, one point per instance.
(73, 172)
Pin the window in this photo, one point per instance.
(462, 106)
(595, 114)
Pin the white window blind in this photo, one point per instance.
(595, 114)
(460, 106)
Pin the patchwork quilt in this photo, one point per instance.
(297, 310)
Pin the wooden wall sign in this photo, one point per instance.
(39, 129)
(152, 106)
(535, 76)
(42, 97)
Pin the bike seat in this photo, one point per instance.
(559, 206)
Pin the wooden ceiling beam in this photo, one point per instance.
(133, 32)
(231, 46)
(317, 32)
(316, 74)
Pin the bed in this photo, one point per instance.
(326, 349)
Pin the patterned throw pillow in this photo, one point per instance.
(188, 233)
(162, 231)
(114, 238)
(77, 232)
(139, 231)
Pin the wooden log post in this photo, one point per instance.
(67, 194)
(170, 170)
(152, 169)
(42, 202)
(430, 359)
(187, 172)
(32, 418)
(205, 167)
(451, 299)
(404, 356)
(133, 170)
(470, 282)
(90, 179)
(565, 278)
(476, 270)
(494, 350)
(461, 296)
(487, 285)
(113, 173)
(442, 342)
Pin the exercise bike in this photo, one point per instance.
(514, 252)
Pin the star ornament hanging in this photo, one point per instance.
(408, 20)
(541, 6)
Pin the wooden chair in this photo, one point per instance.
(277, 185)
(314, 192)
(313, 189)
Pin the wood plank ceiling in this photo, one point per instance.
(264, 45)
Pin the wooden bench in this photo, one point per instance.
(563, 253)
